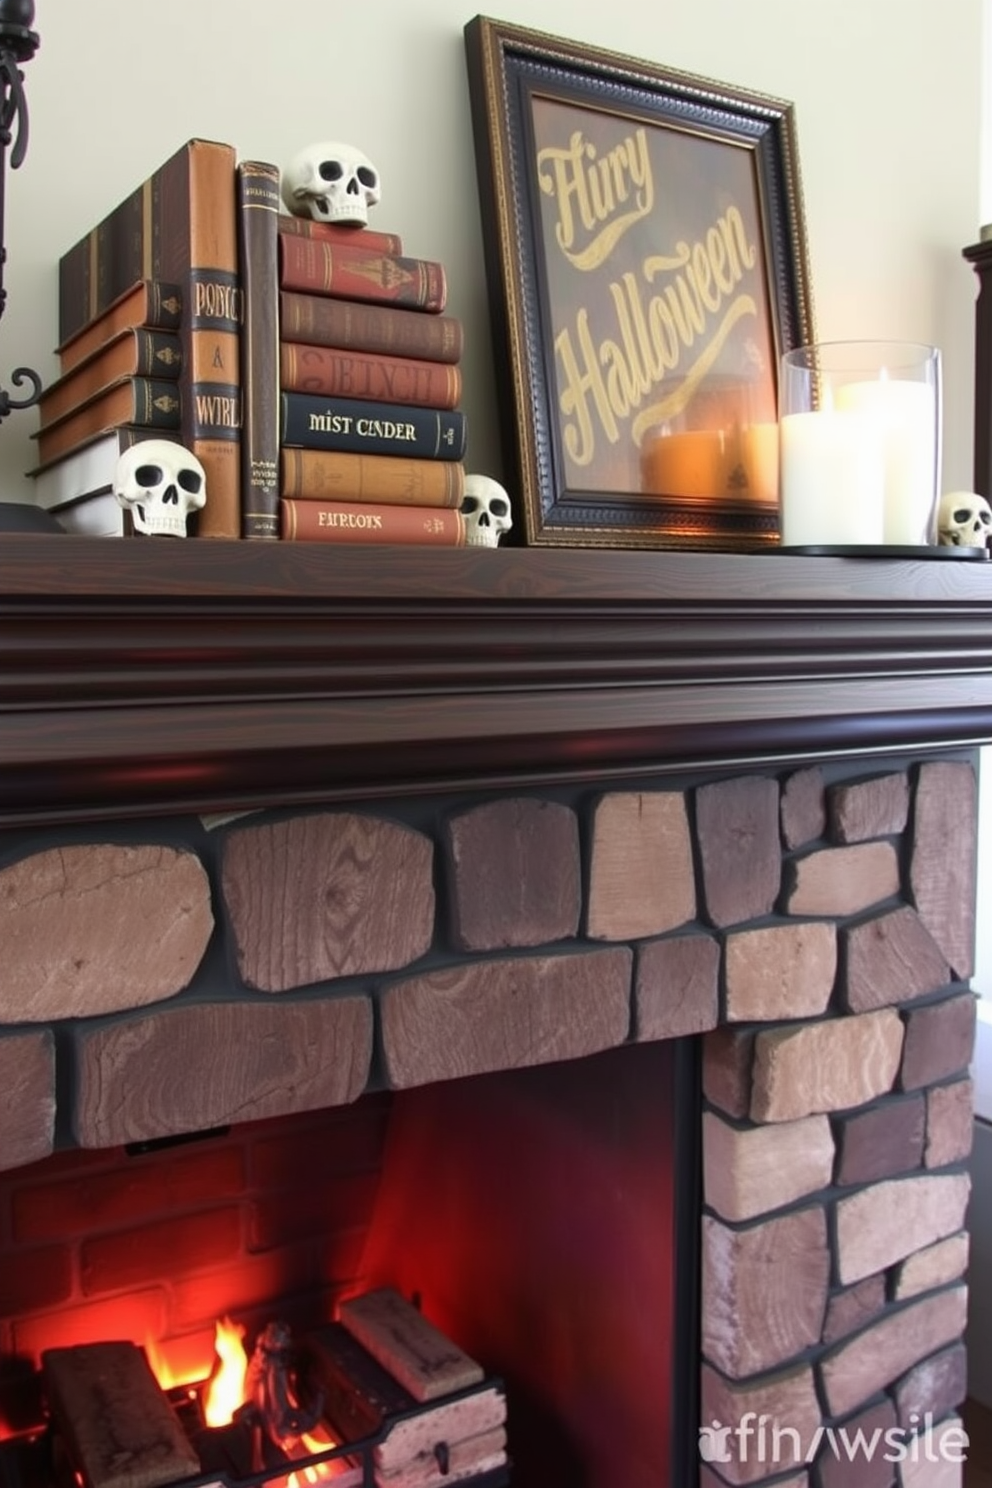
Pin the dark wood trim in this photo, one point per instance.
(152, 676)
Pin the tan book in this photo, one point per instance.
(149, 303)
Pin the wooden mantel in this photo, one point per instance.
(157, 677)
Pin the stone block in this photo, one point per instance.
(99, 928)
(504, 1013)
(881, 1142)
(936, 1458)
(641, 876)
(727, 1056)
(27, 1097)
(861, 809)
(764, 1290)
(944, 856)
(940, 1041)
(737, 829)
(890, 959)
(802, 808)
(936, 1266)
(749, 1171)
(886, 1222)
(780, 971)
(841, 1464)
(832, 1065)
(950, 1123)
(676, 987)
(854, 1371)
(332, 894)
(841, 880)
(515, 874)
(760, 1430)
(852, 1308)
(938, 1384)
(202, 1065)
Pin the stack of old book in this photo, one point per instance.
(365, 440)
(149, 343)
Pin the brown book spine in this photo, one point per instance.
(180, 226)
(135, 353)
(337, 232)
(348, 273)
(370, 522)
(149, 303)
(150, 402)
(361, 374)
(258, 215)
(388, 330)
(336, 475)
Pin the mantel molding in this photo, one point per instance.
(154, 677)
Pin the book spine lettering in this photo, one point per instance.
(151, 304)
(354, 522)
(353, 374)
(334, 475)
(258, 214)
(388, 330)
(352, 273)
(336, 232)
(373, 428)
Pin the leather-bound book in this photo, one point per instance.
(134, 353)
(335, 475)
(148, 303)
(355, 273)
(371, 522)
(365, 427)
(151, 402)
(179, 226)
(258, 214)
(353, 235)
(342, 373)
(393, 330)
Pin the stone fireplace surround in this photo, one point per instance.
(753, 777)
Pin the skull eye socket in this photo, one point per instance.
(190, 481)
(367, 177)
(148, 475)
(499, 507)
(962, 514)
(470, 505)
(331, 170)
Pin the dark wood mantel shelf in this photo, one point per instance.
(154, 677)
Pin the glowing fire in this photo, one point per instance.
(225, 1389)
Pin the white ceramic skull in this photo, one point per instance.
(964, 520)
(486, 509)
(160, 483)
(331, 182)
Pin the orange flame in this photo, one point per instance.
(225, 1389)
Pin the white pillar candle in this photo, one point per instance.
(832, 478)
(907, 416)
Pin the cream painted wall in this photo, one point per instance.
(887, 93)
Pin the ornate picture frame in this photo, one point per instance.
(646, 264)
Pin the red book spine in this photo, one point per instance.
(336, 232)
(344, 272)
(355, 374)
(370, 522)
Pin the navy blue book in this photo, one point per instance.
(313, 422)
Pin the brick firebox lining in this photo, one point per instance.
(816, 932)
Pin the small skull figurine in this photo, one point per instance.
(160, 483)
(331, 182)
(486, 509)
(964, 520)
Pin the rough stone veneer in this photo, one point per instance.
(815, 927)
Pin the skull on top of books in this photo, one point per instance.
(486, 509)
(159, 483)
(331, 182)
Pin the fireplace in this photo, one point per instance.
(739, 794)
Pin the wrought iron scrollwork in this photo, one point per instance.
(18, 44)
